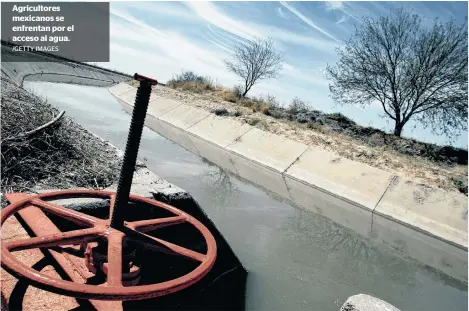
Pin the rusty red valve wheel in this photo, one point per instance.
(95, 229)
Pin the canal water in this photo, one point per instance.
(296, 260)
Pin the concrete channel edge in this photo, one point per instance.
(426, 224)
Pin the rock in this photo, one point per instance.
(278, 114)
(334, 126)
(362, 302)
(220, 112)
(303, 117)
(341, 119)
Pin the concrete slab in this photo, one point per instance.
(437, 212)
(428, 250)
(129, 96)
(320, 201)
(259, 174)
(352, 180)
(219, 130)
(213, 153)
(21, 296)
(119, 89)
(100, 75)
(176, 135)
(158, 106)
(166, 130)
(268, 149)
(82, 72)
(184, 116)
(54, 77)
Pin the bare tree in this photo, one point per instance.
(413, 71)
(254, 61)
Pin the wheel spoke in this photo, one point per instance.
(161, 245)
(63, 238)
(112, 201)
(152, 224)
(114, 258)
(68, 214)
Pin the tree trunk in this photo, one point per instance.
(398, 128)
(247, 87)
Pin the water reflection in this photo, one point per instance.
(222, 188)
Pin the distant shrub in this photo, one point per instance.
(317, 127)
(229, 96)
(262, 124)
(238, 91)
(267, 104)
(189, 76)
(343, 120)
(248, 102)
(297, 105)
(190, 81)
(220, 112)
(253, 121)
(263, 107)
(272, 101)
(460, 184)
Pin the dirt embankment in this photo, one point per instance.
(429, 164)
(62, 155)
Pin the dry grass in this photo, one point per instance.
(190, 82)
(262, 124)
(63, 155)
(435, 171)
(229, 96)
(194, 87)
(134, 83)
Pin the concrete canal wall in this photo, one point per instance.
(45, 68)
(427, 224)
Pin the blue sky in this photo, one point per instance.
(160, 39)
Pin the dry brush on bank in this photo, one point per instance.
(441, 166)
(40, 150)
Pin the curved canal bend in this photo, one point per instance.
(296, 260)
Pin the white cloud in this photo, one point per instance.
(249, 30)
(334, 5)
(316, 43)
(161, 8)
(340, 6)
(307, 20)
(132, 20)
(288, 67)
(168, 52)
(210, 14)
(342, 19)
(223, 35)
(280, 12)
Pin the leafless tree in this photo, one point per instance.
(254, 61)
(413, 71)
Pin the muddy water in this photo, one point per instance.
(296, 260)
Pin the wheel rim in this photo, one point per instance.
(98, 228)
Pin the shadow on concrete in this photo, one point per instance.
(223, 288)
(17, 295)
